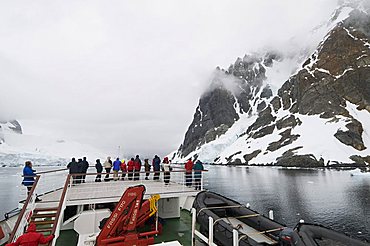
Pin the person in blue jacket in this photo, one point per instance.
(116, 168)
(198, 168)
(28, 176)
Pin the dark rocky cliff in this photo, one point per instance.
(231, 93)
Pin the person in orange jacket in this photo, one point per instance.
(31, 238)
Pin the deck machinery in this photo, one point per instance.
(131, 213)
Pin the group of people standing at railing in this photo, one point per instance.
(197, 168)
(132, 169)
(80, 167)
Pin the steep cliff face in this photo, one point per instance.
(240, 90)
(321, 114)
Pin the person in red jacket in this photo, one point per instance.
(31, 238)
(189, 172)
(130, 168)
(123, 167)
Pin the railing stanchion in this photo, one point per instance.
(271, 214)
(60, 210)
(30, 200)
(157, 218)
(193, 220)
(235, 238)
(210, 230)
(201, 182)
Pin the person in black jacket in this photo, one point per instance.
(99, 170)
(137, 168)
(73, 169)
(85, 166)
(156, 167)
(80, 166)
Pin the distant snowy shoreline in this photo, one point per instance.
(331, 166)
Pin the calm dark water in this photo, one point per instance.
(329, 197)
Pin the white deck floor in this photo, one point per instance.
(102, 192)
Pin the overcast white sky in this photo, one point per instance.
(130, 73)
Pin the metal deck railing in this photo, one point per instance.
(26, 213)
(60, 182)
(237, 235)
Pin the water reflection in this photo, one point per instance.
(328, 197)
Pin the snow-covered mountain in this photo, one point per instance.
(305, 107)
(16, 147)
(9, 126)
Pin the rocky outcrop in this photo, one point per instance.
(288, 122)
(299, 160)
(264, 118)
(15, 126)
(230, 158)
(360, 160)
(248, 157)
(232, 92)
(214, 115)
(352, 137)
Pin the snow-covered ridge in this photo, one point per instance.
(9, 126)
(42, 150)
(316, 135)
